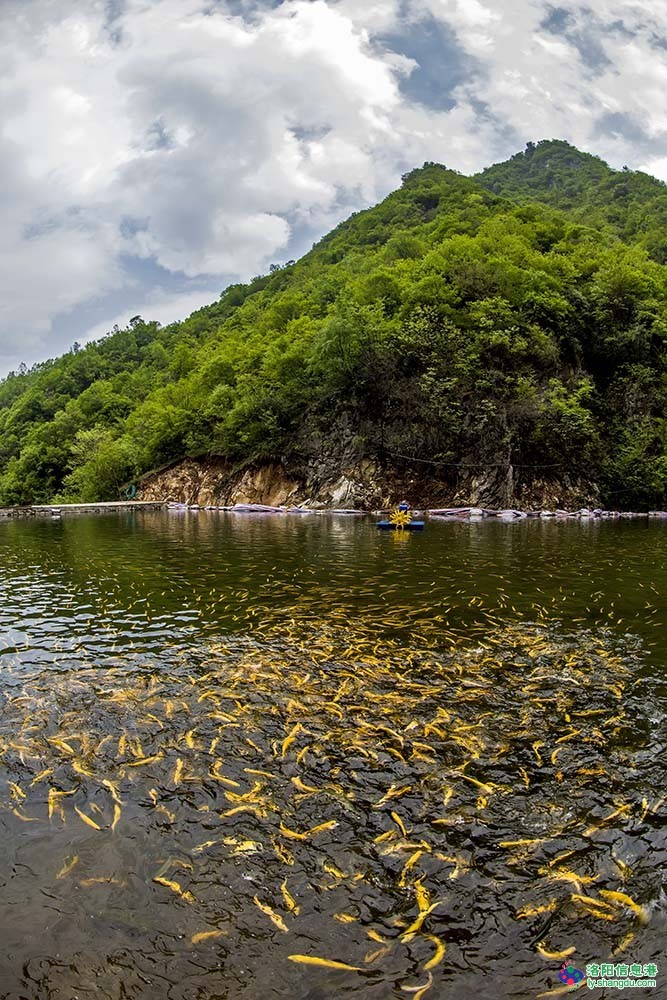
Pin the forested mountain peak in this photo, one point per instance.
(542, 165)
(630, 203)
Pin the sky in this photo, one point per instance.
(154, 151)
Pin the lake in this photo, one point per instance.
(234, 745)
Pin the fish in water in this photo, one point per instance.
(335, 757)
(325, 963)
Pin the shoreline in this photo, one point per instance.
(436, 513)
(56, 509)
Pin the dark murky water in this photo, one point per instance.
(229, 742)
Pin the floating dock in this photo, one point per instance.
(57, 510)
(442, 513)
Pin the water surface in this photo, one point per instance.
(226, 740)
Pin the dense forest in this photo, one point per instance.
(517, 318)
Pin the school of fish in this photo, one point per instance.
(408, 793)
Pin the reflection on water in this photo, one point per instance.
(228, 743)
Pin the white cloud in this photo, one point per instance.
(476, 23)
(541, 83)
(186, 135)
(189, 135)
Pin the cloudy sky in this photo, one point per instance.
(153, 151)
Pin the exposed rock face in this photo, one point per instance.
(190, 481)
(269, 484)
(214, 481)
(362, 485)
(493, 488)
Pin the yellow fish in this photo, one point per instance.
(113, 788)
(373, 956)
(17, 793)
(520, 843)
(295, 835)
(554, 956)
(290, 902)
(205, 936)
(416, 925)
(140, 761)
(399, 823)
(116, 815)
(621, 947)
(410, 863)
(624, 900)
(438, 955)
(41, 776)
(419, 991)
(285, 856)
(298, 783)
(272, 915)
(68, 866)
(259, 813)
(86, 819)
(105, 880)
(54, 802)
(599, 903)
(423, 896)
(175, 887)
(290, 738)
(394, 792)
(534, 911)
(61, 744)
(326, 963)
(215, 773)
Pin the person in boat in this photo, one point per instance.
(404, 506)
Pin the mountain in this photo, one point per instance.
(498, 339)
(628, 203)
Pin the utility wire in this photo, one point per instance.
(473, 465)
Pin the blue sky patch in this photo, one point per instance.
(441, 63)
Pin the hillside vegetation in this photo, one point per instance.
(628, 203)
(517, 319)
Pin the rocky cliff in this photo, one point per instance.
(362, 485)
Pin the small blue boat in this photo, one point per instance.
(390, 526)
